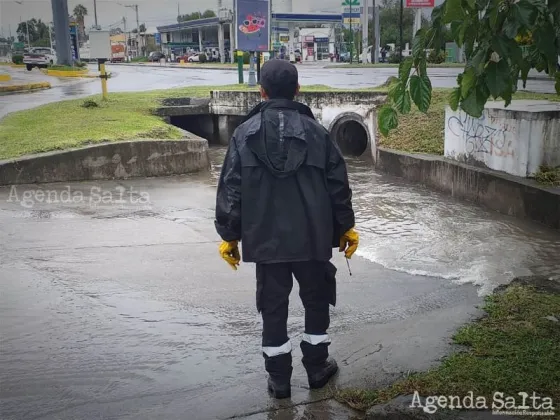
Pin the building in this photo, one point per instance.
(293, 29)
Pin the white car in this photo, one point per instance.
(194, 58)
(39, 57)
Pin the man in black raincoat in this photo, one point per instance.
(283, 192)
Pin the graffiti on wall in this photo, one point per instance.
(483, 135)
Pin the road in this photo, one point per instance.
(135, 78)
(123, 309)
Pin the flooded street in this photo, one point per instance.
(419, 231)
(122, 309)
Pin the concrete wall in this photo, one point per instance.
(516, 140)
(109, 161)
(330, 109)
(501, 192)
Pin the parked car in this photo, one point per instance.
(195, 58)
(184, 57)
(39, 57)
(155, 56)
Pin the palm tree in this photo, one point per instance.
(80, 12)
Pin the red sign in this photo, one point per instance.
(419, 3)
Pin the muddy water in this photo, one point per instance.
(408, 228)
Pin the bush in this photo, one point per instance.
(90, 103)
(395, 58)
(436, 57)
(246, 57)
(80, 64)
(202, 58)
(17, 59)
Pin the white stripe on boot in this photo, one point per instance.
(316, 339)
(277, 351)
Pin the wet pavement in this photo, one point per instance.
(116, 305)
(136, 78)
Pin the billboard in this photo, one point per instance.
(252, 19)
(74, 41)
(419, 3)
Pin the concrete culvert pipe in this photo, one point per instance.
(351, 136)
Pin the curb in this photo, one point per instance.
(24, 88)
(5, 77)
(113, 160)
(178, 66)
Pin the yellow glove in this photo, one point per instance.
(229, 251)
(349, 243)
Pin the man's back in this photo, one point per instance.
(289, 170)
(284, 193)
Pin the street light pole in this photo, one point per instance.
(95, 12)
(401, 33)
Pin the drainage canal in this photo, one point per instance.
(351, 136)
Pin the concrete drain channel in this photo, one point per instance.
(350, 117)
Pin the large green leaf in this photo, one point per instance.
(404, 69)
(468, 81)
(421, 92)
(453, 11)
(387, 119)
(454, 98)
(479, 60)
(419, 45)
(525, 68)
(474, 103)
(500, 45)
(511, 26)
(498, 78)
(543, 41)
(402, 101)
(525, 13)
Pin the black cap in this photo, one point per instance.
(279, 79)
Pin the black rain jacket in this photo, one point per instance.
(283, 189)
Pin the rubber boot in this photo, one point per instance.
(320, 368)
(279, 369)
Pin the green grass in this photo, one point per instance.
(139, 60)
(68, 124)
(67, 68)
(548, 176)
(513, 349)
(424, 133)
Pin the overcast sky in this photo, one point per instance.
(110, 12)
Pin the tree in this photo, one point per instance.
(196, 15)
(80, 12)
(38, 33)
(487, 30)
(142, 27)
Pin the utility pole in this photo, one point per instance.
(50, 35)
(135, 7)
(61, 32)
(373, 35)
(125, 40)
(95, 12)
(401, 32)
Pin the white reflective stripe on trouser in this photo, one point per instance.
(277, 351)
(316, 339)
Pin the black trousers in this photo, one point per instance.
(274, 284)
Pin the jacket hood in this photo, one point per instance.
(276, 134)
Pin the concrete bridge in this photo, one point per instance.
(349, 116)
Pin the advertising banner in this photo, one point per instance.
(419, 3)
(74, 42)
(253, 25)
